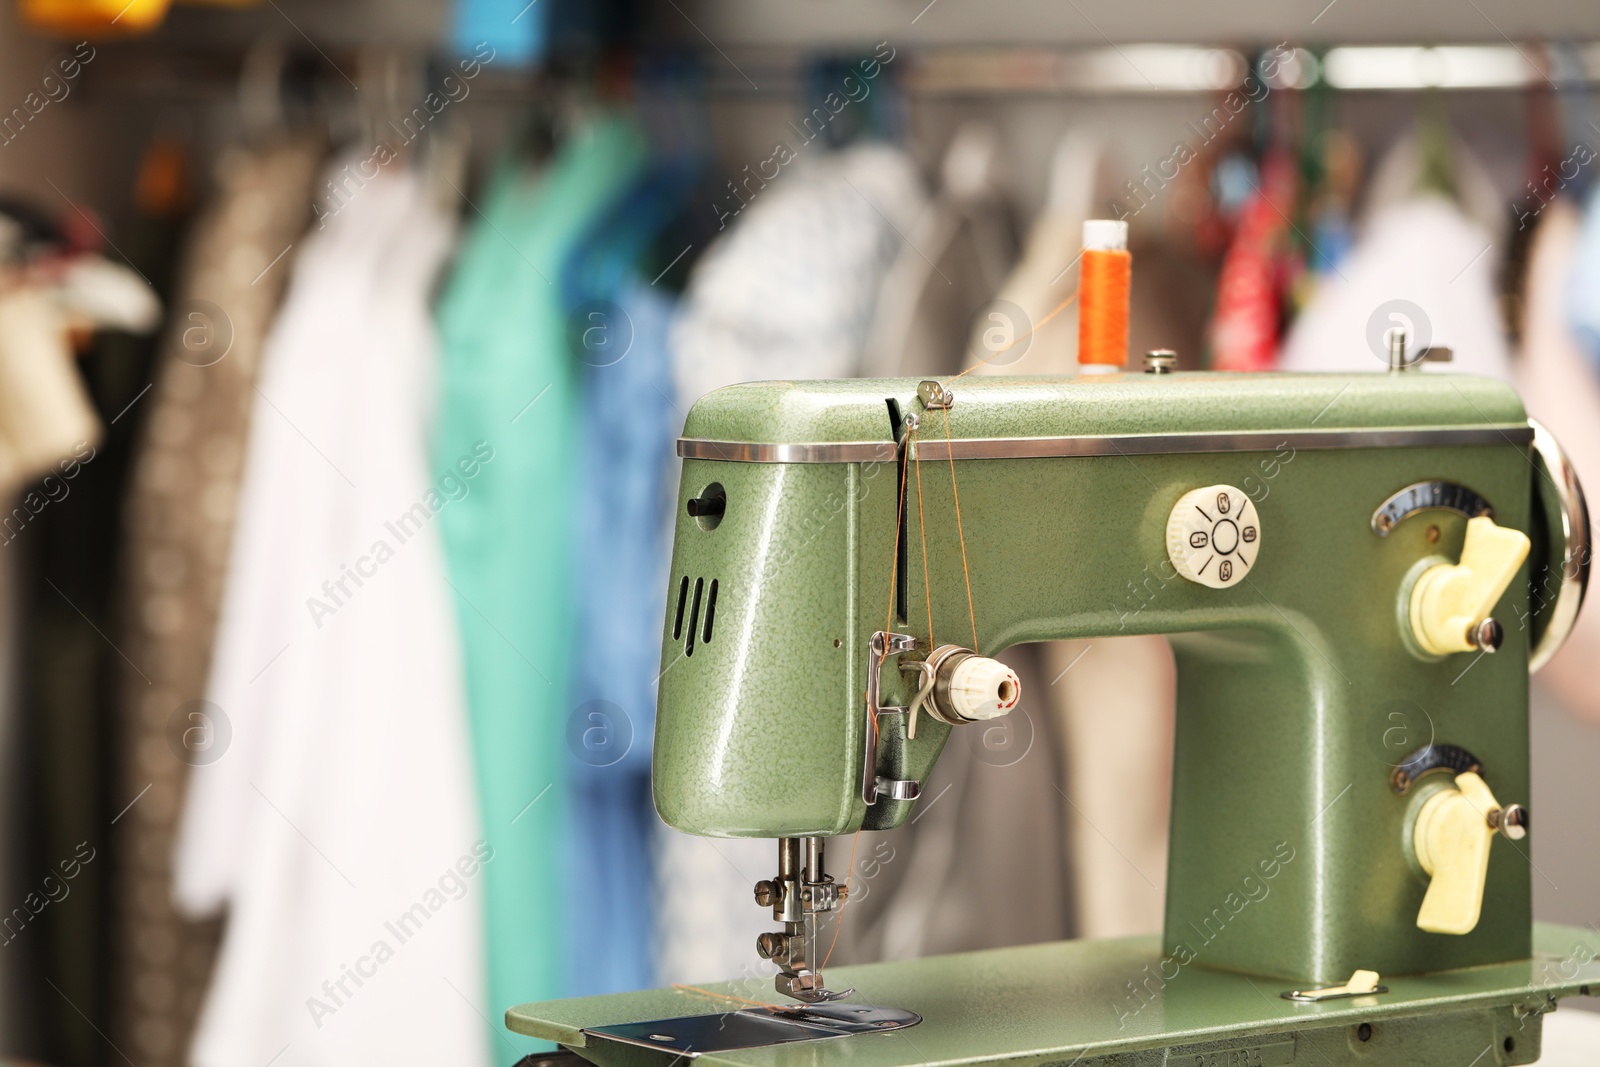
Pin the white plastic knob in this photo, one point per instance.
(983, 688)
(1214, 536)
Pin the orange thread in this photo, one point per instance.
(1105, 281)
(955, 493)
(839, 922)
(1029, 332)
(725, 996)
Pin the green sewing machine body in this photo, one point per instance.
(1301, 687)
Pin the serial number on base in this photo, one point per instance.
(1273, 1055)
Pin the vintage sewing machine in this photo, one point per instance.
(1357, 573)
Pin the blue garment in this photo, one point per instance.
(1335, 236)
(623, 514)
(516, 30)
(1583, 283)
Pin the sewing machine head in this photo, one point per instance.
(1333, 556)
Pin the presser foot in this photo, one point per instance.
(799, 896)
(807, 986)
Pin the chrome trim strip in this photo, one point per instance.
(752, 452)
(1130, 445)
(1186, 443)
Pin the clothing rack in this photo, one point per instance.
(181, 75)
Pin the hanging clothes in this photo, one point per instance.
(1404, 169)
(511, 379)
(1252, 288)
(1109, 783)
(920, 887)
(624, 513)
(45, 414)
(1046, 275)
(1582, 283)
(950, 266)
(61, 725)
(179, 521)
(1560, 388)
(791, 290)
(1421, 265)
(353, 893)
(62, 458)
(788, 292)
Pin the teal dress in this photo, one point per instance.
(510, 389)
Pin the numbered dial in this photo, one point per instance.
(1214, 536)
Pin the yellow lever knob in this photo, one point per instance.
(1451, 839)
(1451, 601)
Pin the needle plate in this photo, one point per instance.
(692, 1035)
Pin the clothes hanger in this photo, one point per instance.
(1437, 171)
(447, 152)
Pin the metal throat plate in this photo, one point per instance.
(693, 1035)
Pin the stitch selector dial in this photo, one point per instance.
(1214, 536)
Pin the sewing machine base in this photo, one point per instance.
(1120, 1004)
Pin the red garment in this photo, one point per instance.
(1249, 314)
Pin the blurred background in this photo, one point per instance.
(343, 344)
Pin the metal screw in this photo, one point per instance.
(1511, 821)
(766, 893)
(1396, 340)
(1160, 361)
(772, 946)
(1486, 635)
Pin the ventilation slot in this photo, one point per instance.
(694, 616)
(711, 613)
(683, 600)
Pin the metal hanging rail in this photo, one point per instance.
(1138, 69)
(1011, 70)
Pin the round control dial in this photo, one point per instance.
(1214, 535)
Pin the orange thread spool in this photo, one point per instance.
(1105, 280)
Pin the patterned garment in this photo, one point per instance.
(790, 292)
(180, 523)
